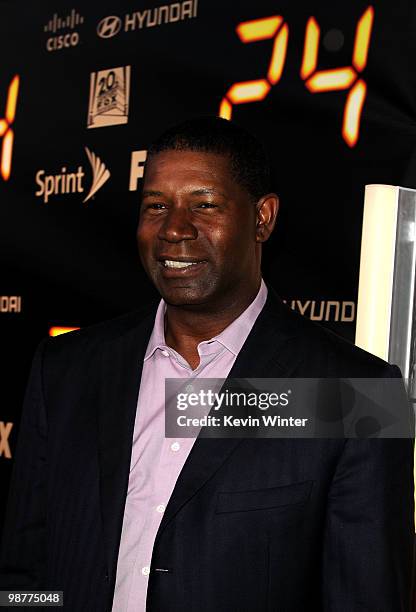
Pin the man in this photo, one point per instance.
(105, 508)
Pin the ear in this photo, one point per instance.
(266, 212)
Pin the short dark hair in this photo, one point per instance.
(248, 159)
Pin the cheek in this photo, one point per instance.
(144, 248)
(233, 240)
(140, 242)
(144, 236)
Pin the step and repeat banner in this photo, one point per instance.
(328, 87)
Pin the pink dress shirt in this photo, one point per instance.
(156, 461)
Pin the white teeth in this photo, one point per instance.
(169, 263)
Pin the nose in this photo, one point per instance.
(177, 226)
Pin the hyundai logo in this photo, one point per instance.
(109, 26)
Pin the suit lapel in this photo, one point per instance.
(121, 369)
(267, 352)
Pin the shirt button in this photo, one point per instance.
(175, 447)
(146, 570)
(161, 508)
(165, 353)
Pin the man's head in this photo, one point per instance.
(206, 209)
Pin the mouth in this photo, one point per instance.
(175, 263)
(181, 266)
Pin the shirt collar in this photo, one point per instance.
(232, 337)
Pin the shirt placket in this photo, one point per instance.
(171, 460)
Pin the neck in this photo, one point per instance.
(186, 327)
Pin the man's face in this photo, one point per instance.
(197, 230)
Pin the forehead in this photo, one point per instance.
(182, 168)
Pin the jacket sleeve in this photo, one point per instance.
(23, 551)
(369, 532)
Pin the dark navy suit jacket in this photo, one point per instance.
(284, 525)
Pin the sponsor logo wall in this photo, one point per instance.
(84, 89)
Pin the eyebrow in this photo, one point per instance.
(196, 192)
(151, 193)
(206, 191)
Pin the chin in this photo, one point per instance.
(183, 296)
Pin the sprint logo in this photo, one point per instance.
(100, 174)
(70, 182)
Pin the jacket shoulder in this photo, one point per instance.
(326, 353)
(95, 336)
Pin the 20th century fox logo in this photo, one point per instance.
(109, 97)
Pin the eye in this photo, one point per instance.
(154, 206)
(206, 205)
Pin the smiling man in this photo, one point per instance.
(200, 232)
(120, 518)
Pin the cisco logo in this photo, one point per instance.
(63, 31)
(109, 26)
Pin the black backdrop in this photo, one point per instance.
(101, 76)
